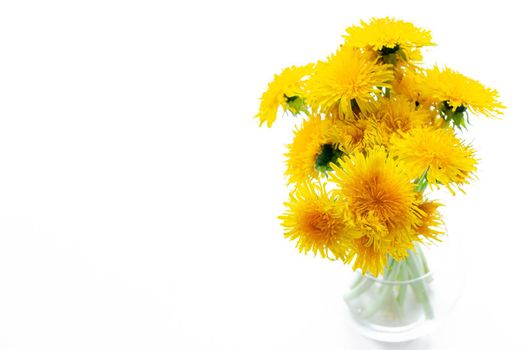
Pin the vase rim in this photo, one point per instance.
(398, 282)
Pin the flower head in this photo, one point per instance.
(437, 154)
(314, 148)
(285, 91)
(348, 79)
(359, 135)
(458, 93)
(410, 85)
(431, 226)
(388, 37)
(398, 114)
(318, 223)
(376, 185)
(375, 242)
(367, 256)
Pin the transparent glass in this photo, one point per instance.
(412, 296)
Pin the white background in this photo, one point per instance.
(138, 197)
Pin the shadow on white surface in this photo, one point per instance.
(417, 344)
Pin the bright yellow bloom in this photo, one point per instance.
(398, 114)
(439, 153)
(348, 79)
(314, 147)
(383, 204)
(350, 135)
(375, 184)
(388, 36)
(375, 242)
(285, 91)
(318, 223)
(367, 256)
(359, 134)
(459, 92)
(431, 224)
(410, 85)
(387, 32)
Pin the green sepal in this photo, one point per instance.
(457, 117)
(295, 104)
(329, 154)
(385, 50)
(390, 59)
(389, 55)
(402, 55)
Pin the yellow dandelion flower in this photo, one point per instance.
(407, 56)
(347, 80)
(389, 37)
(458, 93)
(402, 240)
(285, 91)
(367, 256)
(375, 135)
(374, 184)
(374, 243)
(317, 222)
(357, 135)
(369, 250)
(350, 136)
(438, 153)
(398, 114)
(410, 85)
(314, 147)
(431, 224)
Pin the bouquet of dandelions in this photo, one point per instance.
(378, 133)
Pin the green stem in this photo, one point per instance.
(422, 182)
(362, 282)
(390, 293)
(384, 291)
(358, 279)
(422, 259)
(403, 287)
(396, 307)
(419, 287)
(359, 288)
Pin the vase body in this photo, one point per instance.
(412, 297)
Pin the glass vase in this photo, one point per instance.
(411, 297)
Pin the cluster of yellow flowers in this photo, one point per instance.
(378, 129)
